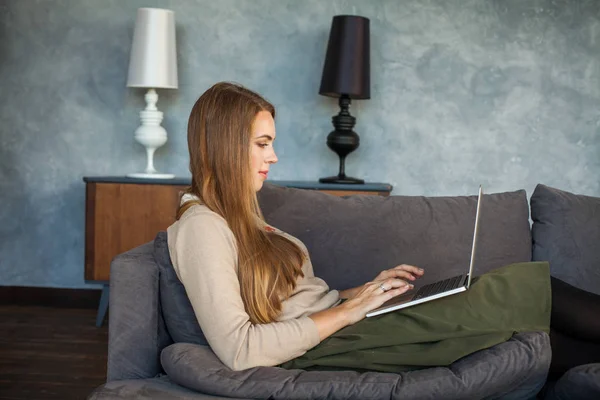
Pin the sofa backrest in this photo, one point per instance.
(350, 239)
(566, 232)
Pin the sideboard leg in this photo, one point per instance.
(103, 307)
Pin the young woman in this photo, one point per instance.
(252, 286)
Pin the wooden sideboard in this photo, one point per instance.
(122, 213)
(121, 216)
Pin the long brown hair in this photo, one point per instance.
(219, 140)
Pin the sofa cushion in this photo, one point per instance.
(177, 310)
(581, 383)
(518, 364)
(566, 232)
(352, 239)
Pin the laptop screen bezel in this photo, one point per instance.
(475, 232)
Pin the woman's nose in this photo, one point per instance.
(272, 159)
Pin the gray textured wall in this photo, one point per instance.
(504, 93)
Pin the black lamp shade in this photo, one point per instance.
(347, 68)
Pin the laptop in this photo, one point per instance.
(439, 289)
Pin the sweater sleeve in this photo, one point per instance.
(204, 254)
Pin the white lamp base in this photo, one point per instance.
(144, 175)
(152, 136)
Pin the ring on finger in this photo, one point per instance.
(383, 287)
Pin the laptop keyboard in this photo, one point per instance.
(439, 287)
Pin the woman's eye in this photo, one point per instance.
(263, 145)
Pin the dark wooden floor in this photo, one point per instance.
(50, 353)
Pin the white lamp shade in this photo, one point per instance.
(153, 58)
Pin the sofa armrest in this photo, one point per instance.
(136, 331)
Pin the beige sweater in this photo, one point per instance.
(204, 253)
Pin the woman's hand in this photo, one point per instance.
(388, 284)
(372, 295)
(403, 271)
(364, 299)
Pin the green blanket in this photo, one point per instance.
(514, 298)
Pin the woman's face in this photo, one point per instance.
(262, 154)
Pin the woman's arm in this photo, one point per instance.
(364, 299)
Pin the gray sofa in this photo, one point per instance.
(157, 350)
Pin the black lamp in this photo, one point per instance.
(346, 74)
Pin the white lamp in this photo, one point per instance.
(152, 65)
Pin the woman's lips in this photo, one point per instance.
(264, 173)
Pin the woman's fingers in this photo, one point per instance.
(410, 268)
(393, 288)
(396, 292)
(402, 272)
(399, 273)
(393, 283)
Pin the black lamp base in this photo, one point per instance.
(343, 141)
(342, 179)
